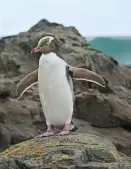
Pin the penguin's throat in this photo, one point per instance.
(48, 57)
(51, 59)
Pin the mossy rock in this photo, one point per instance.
(81, 151)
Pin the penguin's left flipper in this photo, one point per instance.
(26, 83)
(86, 75)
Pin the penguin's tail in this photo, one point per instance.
(73, 128)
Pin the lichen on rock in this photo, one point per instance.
(76, 150)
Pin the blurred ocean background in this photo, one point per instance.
(118, 47)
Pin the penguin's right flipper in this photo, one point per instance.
(26, 83)
(87, 75)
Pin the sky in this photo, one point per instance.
(90, 17)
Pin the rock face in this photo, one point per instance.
(19, 121)
(68, 152)
(105, 108)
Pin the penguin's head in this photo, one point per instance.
(45, 45)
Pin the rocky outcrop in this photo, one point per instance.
(103, 110)
(108, 109)
(73, 151)
(19, 121)
(16, 58)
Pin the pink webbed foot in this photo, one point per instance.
(62, 133)
(50, 132)
(65, 130)
(47, 134)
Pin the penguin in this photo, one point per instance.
(55, 85)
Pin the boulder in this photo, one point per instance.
(67, 152)
(103, 110)
(19, 121)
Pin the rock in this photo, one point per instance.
(108, 109)
(102, 110)
(128, 66)
(4, 91)
(6, 163)
(19, 121)
(116, 74)
(72, 151)
(118, 135)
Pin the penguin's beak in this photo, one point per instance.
(35, 50)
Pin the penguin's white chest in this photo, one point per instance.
(54, 90)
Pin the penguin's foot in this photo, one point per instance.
(65, 130)
(50, 132)
(47, 134)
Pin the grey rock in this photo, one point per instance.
(73, 151)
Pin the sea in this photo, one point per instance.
(117, 47)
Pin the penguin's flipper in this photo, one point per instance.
(87, 75)
(26, 83)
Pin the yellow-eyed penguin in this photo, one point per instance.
(54, 78)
